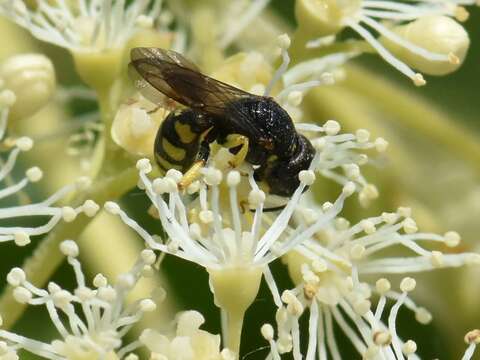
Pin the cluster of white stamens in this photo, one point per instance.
(354, 246)
(188, 343)
(213, 236)
(104, 319)
(87, 25)
(327, 268)
(371, 336)
(341, 155)
(362, 15)
(46, 208)
(302, 77)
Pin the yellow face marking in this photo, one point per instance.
(236, 140)
(167, 165)
(272, 158)
(185, 133)
(173, 151)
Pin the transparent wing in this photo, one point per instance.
(167, 72)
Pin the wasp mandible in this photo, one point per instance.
(215, 111)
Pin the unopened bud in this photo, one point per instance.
(134, 129)
(437, 35)
(31, 77)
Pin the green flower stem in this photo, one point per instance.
(47, 257)
(235, 290)
(416, 113)
(234, 330)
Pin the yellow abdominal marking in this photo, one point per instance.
(174, 152)
(185, 133)
(167, 165)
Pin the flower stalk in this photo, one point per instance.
(235, 290)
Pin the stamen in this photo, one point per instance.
(284, 42)
(397, 39)
(383, 52)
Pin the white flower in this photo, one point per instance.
(328, 270)
(85, 25)
(220, 223)
(372, 336)
(340, 156)
(425, 42)
(91, 321)
(188, 343)
(225, 225)
(46, 208)
(305, 75)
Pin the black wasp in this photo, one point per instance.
(215, 112)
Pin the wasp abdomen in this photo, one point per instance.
(178, 140)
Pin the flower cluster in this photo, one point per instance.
(327, 270)
(238, 239)
(91, 26)
(15, 71)
(188, 343)
(420, 34)
(221, 221)
(91, 321)
(370, 336)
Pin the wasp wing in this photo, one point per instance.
(165, 71)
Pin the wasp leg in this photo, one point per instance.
(193, 173)
(235, 142)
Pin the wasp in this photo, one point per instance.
(215, 111)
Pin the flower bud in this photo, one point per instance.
(31, 77)
(436, 34)
(134, 128)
